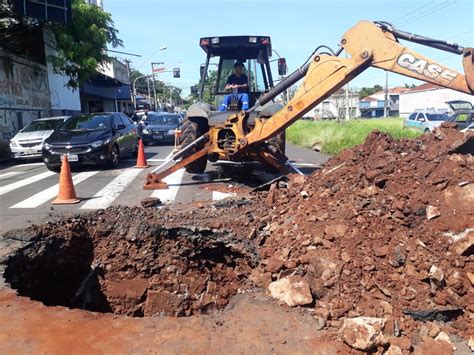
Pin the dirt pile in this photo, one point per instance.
(384, 230)
(121, 261)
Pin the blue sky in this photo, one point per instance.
(296, 28)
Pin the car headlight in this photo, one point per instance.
(47, 146)
(13, 143)
(146, 131)
(170, 132)
(97, 144)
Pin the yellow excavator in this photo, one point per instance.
(244, 136)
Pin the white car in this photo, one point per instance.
(28, 142)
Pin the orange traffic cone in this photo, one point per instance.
(141, 159)
(66, 194)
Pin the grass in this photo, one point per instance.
(332, 137)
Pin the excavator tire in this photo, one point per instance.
(193, 128)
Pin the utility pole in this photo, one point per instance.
(148, 87)
(132, 94)
(347, 99)
(385, 105)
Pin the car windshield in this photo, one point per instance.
(163, 119)
(87, 123)
(437, 116)
(43, 125)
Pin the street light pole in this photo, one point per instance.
(154, 87)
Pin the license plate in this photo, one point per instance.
(30, 151)
(71, 157)
(157, 137)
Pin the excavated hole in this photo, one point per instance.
(158, 271)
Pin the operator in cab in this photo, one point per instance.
(237, 83)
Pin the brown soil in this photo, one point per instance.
(373, 234)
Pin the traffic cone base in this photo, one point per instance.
(141, 159)
(67, 193)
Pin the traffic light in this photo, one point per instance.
(282, 69)
(176, 73)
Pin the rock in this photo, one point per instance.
(381, 251)
(443, 337)
(470, 276)
(427, 346)
(363, 333)
(320, 323)
(293, 290)
(432, 212)
(394, 350)
(436, 276)
(464, 242)
(334, 231)
(434, 331)
(471, 342)
(304, 194)
(161, 303)
(150, 202)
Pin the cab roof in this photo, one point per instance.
(233, 47)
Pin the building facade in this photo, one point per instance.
(374, 105)
(337, 106)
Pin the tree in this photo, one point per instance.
(364, 92)
(81, 44)
(208, 93)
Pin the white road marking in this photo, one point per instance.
(30, 164)
(24, 182)
(173, 181)
(111, 191)
(9, 174)
(217, 196)
(51, 192)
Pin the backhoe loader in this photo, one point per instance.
(367, 44)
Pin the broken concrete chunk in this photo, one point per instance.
(436, 276)
(470, 276)
(394, 350)
(293, 290)
(363, 333)
(150, 202)
(443, 337)
(432, 212)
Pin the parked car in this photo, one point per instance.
(28, 142)
(426, 121)
(94, 138)
(463, 114)
(160, 127)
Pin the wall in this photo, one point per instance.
(64, 101)
(430, 99)
(24, 93)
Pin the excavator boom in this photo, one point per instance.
(367, 44)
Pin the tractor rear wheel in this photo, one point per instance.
(193, 128)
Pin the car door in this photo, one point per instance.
(420, 121)
(119, 134)
(130, 133)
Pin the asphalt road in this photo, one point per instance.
(27, 190)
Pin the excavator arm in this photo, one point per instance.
(367, 44)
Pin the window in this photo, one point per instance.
(163, 119)
(412, 116)
(462, 117)
(227, 69)
(437, 116)
(421, 117)
(45, 125)
(125, 120)
(117, 121)
(87, 123)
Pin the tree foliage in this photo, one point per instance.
(364, 92)
(209, 85)
(81, 44)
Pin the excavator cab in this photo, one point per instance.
(221, 55)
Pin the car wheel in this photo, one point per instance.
(53, 168)
(192, 130)
(426, 130)
(114, 157)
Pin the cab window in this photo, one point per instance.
(412, 116)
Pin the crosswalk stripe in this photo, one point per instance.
(217, 196)
(9, 174)
(51, 192)
(173, 181)
(24, 182)
(111, 191)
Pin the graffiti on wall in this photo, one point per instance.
(24, 93)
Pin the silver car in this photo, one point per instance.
(425, 121)
(28, 142)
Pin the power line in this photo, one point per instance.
(429, 12)
(411, 12)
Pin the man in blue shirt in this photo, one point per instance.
(238, 84)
